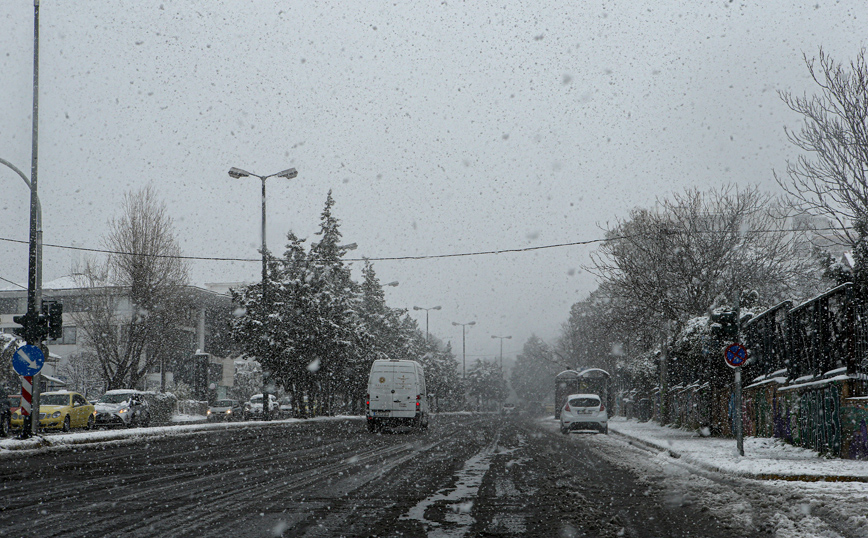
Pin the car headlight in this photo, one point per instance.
(228, 411)
(56, 414)
(208, 413)
(124, 410)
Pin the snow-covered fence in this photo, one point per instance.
(809, 383)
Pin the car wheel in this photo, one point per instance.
(90, 422)
(66, 424)
(564, 430)
(371, 426)
(605, 429)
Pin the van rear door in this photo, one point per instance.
(380, 389)
(405, 388)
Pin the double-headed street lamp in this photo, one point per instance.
(426, 317)
(463, 347)
(288, 174)
(502, 338)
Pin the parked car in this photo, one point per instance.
(225, 410)
(62, 410)
(582, 412)
(508, 409)
(286, 407)
(123, 407)
(5, 413)
(253, 408)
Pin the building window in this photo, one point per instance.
(69, 337)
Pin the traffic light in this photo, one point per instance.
(55, 321)
(724, 324)
(34, 327)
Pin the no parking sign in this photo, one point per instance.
(735, 355)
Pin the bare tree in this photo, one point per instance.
(831, 178)
(134, 305)
(82, 373)
(674, 262)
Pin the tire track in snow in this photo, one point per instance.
(459, 499)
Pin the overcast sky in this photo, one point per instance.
(457, 127)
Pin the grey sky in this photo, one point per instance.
(455, 127)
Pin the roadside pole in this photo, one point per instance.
(739, 438)
(735, 356)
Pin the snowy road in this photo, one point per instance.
(481, 475)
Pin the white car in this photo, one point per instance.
(253, 408)
(584, 412)
(123, 407)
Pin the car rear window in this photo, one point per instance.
(585, 402)
(223, 403)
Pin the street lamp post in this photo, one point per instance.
(438, 307)
(463, 346)
(288, 174)
(502, 338)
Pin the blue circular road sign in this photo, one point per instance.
(28, 360)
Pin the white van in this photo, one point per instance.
(396, 395)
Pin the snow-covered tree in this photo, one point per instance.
(486, 384)
(320, 331)
(533, 376)
(673, 262)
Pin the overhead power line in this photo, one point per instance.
(400, 258)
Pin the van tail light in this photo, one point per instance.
(602, 407)
(567, 407)
(418, 396)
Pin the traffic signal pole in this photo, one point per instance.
(34, 270)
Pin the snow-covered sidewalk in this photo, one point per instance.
(764, 458)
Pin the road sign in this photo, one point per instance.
(735, 355)
(28, 360)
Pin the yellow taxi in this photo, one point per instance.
(62, 410)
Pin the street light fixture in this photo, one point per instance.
(238, 173)
(502, 338)
(463, 346)
(438, 307)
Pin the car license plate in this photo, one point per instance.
(386, 412)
